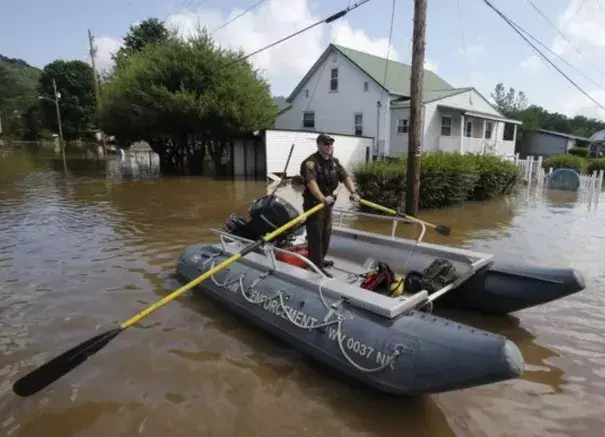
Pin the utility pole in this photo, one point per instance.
(59, 118)
(93, 53)
(416, 92)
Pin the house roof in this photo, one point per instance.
(561, 134)
(430, 96)
(398, 74)
(281, 103)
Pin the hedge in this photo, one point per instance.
(563, 160)
(446, 179)
(579, 151)
(595, 165)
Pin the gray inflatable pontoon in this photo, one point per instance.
(491, 287)
(380, 341)
(388, 343)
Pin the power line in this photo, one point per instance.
(563, 36)
(386, 68)
(514, 26)
(328, 20)
(558, 56)
(239, 15)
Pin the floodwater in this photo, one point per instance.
(87, 243)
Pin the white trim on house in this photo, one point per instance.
(384, 116)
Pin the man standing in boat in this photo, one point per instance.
(322, 173)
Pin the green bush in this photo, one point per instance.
(579, 151)
(563, 160)
(496, 177)
(596, 164)
(445, 179)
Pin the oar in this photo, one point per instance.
(60, 365)
(441, 229)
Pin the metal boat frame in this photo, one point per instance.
(343, 290)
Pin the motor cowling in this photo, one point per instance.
(267, 214)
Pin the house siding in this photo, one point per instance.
(399, 141)
(335, 111)
(542, 144)
(471, 101)
(433, 140)
(350, 150)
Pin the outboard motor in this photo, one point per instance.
(267, 214)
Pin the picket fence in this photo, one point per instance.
(532, 171)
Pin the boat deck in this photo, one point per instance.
(351, 250)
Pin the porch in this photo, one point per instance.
(465, 131)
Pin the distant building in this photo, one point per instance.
(546, 143)
(597, 145)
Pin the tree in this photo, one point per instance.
(150, 31)
(535, 117)
(18, 82)
(185, 97)
(74, 81)
(508, 102)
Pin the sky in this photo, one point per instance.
(467, 43)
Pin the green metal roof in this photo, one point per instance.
(431, 96)
(281, 103)
(398, 74)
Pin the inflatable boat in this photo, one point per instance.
(368, 320)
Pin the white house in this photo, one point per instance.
(347, 92)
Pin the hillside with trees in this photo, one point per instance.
(18, 84)
(514, 104)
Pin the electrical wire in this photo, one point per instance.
(559, 56)
(319, 76)
(328, 20)
(238, 16)
(565, 38)
(386, 68)
(515, 26)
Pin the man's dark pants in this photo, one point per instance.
(319, 230)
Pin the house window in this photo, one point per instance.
(402, 126)
(334, 80)
(365, 86)
(489, 127)
(358, 124)
(307, 93)
(446, 126)
(509, 132)
(469, 128)
(309, 119)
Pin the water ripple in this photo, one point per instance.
(82, 250)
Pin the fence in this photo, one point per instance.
(532, 171)
(531, 168)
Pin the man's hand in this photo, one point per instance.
(328, 200)
(354, 197)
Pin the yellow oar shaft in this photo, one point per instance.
(138, 317)
(391, 211)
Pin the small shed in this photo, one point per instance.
(266, 152)
(546, 143)
(597, 145)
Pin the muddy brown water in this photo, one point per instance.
(86, 244)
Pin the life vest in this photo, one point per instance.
(383, 280)
(287, 258)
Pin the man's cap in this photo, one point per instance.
(324, 138)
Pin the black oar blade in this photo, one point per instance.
(443, 230)
(49, 372)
